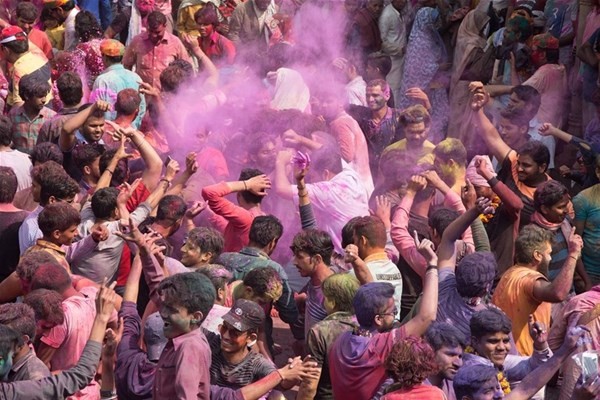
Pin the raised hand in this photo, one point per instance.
(105, 300)
(416, 183)
(546, 129)
(112, 338)
(191, 165)
(468, 195)
(99, 233)
(258, 185)
(425, 248)
(484, 205)
(149, 90)
(483, 167)
(538, 332)
(301, 162)
(418, 95)
(351, 254)
(479, 97)
(575, 244)
(383, 209)
(172, 169)
(102, 105)
(126, 191)
(195, 209)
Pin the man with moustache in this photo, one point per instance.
(523, 290)
(380, 123)
(152, 51)
(448, 343)
(253, 26)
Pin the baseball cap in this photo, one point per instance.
(245, 315)
(112, 48)
(154, 336)
(12, 34)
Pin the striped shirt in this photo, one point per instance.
(251, 369)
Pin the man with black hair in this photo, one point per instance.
(490, 341)
(87, 159)
(152, 51)
(527, 100)
(70, 92)
(202, 246)
(15, 46)
(26, 365)
(65, 11)
(51, 185)
(237, 220)
(29, 117)
(15, 159)
(448, 344)
(115, 78)
(26, 17)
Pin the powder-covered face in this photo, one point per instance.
(176, 318)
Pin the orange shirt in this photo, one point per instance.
(514, 295)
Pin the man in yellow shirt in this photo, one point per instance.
(15, 47)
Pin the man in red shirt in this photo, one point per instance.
(217, 47)
(27, 14)
(235, 220)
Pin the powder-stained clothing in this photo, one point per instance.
(353, 147)
(319, 340)
(357, 363)
(40, 39)
(336, 201)
(587, 210)
(29, 367)
(104, 260)
(452, 308)
(515, 367)
(110, 82)
(314, 310)
(219, 49)
(25, 130)
(70, 337)
(238, 219)
(65, 255)
(55, 386)
(383, 270)
(183, 370)
(51, 129)
(514, 295)
(418, 392)
(251, 369)
(21, 164)
(150, 59)
(249, 258)
(28, 63)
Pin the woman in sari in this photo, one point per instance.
(423, 69)
(470, 42)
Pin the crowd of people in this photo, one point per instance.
(392, 180)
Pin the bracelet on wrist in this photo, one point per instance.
(574, 257)
(165, 180)
(109, 171)
(431, 268)
(245, 186)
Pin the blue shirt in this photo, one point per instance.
(108, 85)
(100, 8)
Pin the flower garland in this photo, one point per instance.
(485, 218)
(504, 383)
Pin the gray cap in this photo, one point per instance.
(154, 336)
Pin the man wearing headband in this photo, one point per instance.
(15, 47)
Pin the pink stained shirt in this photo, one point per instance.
(150, 59)
(353, 147)
(70, 338)
(238, 219)
(357, 363)
(40, 39)
(183, 370)
(403, 239)
(219, 49)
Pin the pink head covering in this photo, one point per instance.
(474, 177)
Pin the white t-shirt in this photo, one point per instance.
(21, 164)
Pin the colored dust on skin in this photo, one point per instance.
(274, 290)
